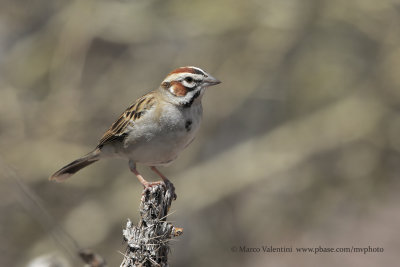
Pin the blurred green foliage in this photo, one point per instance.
(299, 146)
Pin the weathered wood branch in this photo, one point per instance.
(148, 242)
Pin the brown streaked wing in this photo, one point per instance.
(117, 131)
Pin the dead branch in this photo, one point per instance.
(148, 242)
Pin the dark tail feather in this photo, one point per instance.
(68, 170)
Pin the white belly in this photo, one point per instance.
(160, 143)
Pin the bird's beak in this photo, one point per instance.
(210, 81)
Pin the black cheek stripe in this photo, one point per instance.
(190, 102)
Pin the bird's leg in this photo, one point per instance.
(154, 169)
(146, 184)
(167, 182)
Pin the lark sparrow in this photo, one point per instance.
(155, 128)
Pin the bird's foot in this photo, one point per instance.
(148, 185)
(164, 183)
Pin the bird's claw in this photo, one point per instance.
(165, 183)
(148, 185)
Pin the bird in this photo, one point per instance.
(155, 129)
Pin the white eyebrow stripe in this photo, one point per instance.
(196, 68)
(176, 76)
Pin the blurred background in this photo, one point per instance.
(299, 147)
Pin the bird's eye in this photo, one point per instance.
(189, 79)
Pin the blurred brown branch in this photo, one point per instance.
(32, 203)
(148, 242)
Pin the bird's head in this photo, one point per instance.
(186, 85)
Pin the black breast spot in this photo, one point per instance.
(188, 125)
